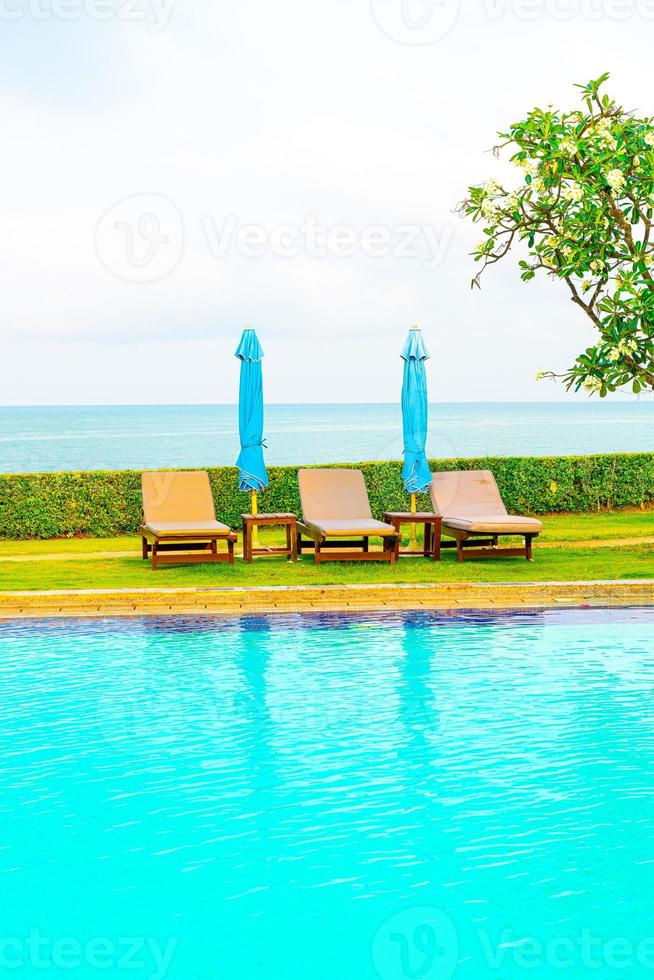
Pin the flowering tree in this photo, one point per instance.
(585, 211)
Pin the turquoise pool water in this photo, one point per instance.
(400, 797)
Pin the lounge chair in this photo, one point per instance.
(180, 520)
(474, 514)
(335, 510)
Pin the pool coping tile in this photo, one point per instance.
(284, 599)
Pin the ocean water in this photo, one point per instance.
(328, 798)
(157, 436)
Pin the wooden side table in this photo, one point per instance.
(432, 524)
(262, 520)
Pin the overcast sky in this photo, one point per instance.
(176, 169)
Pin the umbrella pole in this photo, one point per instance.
(413, 541)
(254, 509)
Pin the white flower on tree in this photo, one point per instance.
(604, 135)
(492, 188)
(624, 349)
(530, 167)
(573, 192)
(490, 208)
(616, 180)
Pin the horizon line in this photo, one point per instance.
(628, 398)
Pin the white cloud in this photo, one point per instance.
(273, 113)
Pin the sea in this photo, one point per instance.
(98, 437)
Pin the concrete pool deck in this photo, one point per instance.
(307, 598)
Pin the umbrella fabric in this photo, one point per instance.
(415, 472)
(252, 469)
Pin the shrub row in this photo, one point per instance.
(104, 504)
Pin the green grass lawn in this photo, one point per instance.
(550, 565)
(71, 546)
(597, 527)
(573, 560)
(632, 523)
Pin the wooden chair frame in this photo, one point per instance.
(359, 547)
(483, 545)
(169, 549)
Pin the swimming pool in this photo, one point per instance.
(402, 796)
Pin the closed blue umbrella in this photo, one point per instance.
(252, 469)
(415, 472)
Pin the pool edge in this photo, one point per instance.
(289, 599)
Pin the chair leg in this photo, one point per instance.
(393, 546)
(230, 552)
(298, 543)
(154, 556)
(144, 548)
(317, 553)
(426, 543)
(459, 550)
(528, 540)
(365, 542)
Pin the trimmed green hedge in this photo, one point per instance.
(54, 505)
